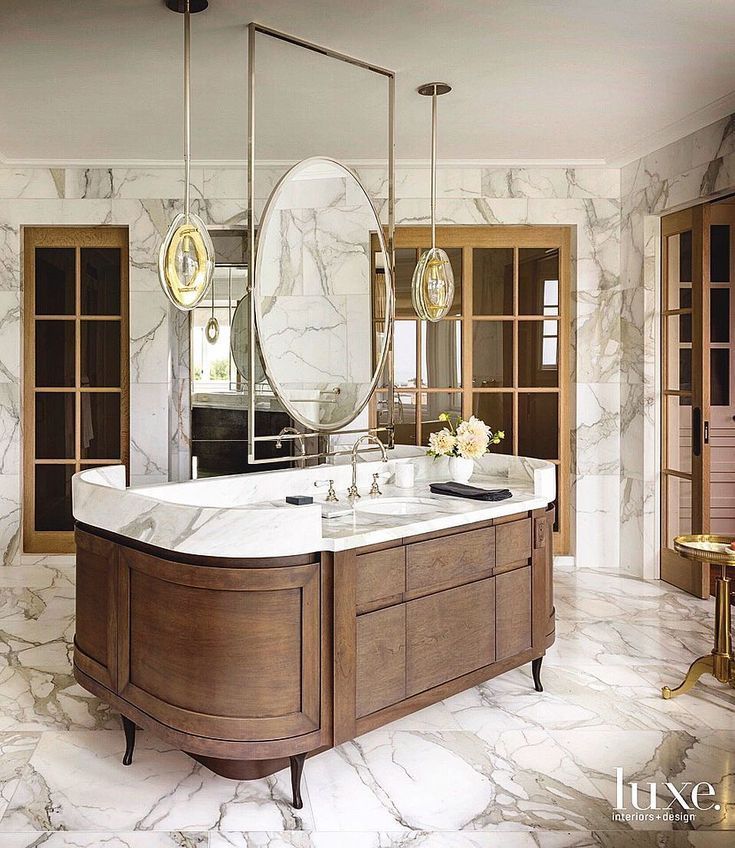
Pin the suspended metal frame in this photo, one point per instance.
(253, 30)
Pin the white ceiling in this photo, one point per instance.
(566, 81)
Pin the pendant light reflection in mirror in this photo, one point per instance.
(432, 287)
(186, 258)
(211, 331)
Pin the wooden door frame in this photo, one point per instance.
(516, 237)
(78, 237)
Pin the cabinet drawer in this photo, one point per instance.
(449, 634)
(513, 542)
(513, 612)
(381, 659)
(380, 576)
(450, 561)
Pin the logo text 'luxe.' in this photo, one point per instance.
(681, 802)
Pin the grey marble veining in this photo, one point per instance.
(247, 515)
(698, 166)
(497, 766)
(146, 199)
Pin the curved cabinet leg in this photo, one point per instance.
(129, 730)
(297, 767)
(536, 671)
(704, 665)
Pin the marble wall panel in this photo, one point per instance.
(146, 200)
(32, 183)
(551, 182)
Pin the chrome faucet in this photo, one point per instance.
(299, 439)
(352, 492)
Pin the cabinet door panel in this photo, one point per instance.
(381, 659)
(513, 541)
(380, 576)
(450, 561)
(513, 612)
(449, 634)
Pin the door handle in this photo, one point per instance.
(696, 431)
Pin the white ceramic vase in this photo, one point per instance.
(460, 469)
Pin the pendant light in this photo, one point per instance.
(432, 287)
(186, 258)
(211, 330)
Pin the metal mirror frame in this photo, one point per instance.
(254, 30)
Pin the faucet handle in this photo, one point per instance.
(375, 488)
(331, 494)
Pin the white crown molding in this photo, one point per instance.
(697, 120)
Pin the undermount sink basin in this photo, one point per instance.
(396, 506)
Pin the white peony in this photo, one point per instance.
(474, 427)
(442, 443)
(472, 445)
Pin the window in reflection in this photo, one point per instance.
(433, 404)
(404, 351)
(213, 369)
(538, 353)
(441, 354)
(538, 281)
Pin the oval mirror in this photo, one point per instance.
(240, 342)
(323, 294)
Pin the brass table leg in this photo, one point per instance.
(720, 662)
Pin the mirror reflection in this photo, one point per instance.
(314, 303)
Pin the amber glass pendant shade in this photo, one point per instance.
(432, 287)
(186, 261)
(186, 257)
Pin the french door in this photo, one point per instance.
(75, 370)
(685, 414)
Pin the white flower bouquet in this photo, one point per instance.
(463, 442)
(466, 439)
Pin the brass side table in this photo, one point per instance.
(720, 663)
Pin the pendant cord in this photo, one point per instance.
(187, 110)
(433, 169)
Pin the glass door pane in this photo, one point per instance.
(492, 281)
(55, 282)
(100, 280)
(496, 410)
(55, 354)
(53, 498)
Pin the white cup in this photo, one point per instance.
(404, 475)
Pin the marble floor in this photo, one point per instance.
(499, 766)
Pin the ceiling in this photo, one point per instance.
(543, 81)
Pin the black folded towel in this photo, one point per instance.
(462, 490)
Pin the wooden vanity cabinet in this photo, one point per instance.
(425, 617)
(246, 664)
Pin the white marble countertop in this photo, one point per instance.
(246, 515)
